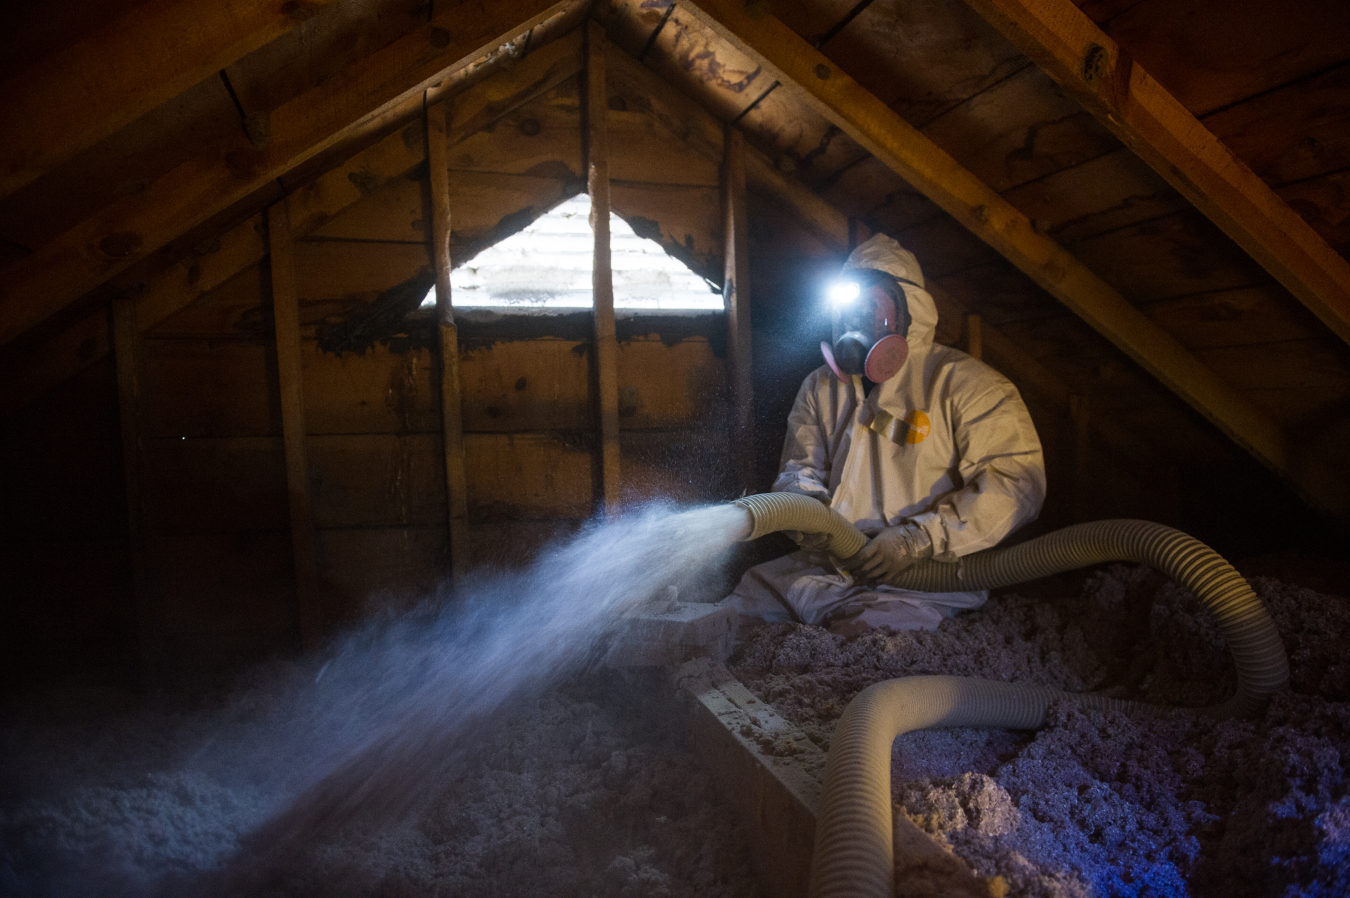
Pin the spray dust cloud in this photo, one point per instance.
(306, 751)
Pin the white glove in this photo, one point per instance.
(889, 554)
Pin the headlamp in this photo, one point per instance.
(844, 292)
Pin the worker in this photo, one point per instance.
(928, 451)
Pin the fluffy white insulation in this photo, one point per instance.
(473, 748)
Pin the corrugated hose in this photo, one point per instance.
(853, 846)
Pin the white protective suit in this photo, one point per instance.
(951, 449)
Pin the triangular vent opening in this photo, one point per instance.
(548, 266)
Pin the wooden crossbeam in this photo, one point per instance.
(452, 408)
(58, 359)
(151, 53)
(222, 174)
(736, 290)
(1080, 57)
(897, 144)
(606, 356)
(286, 317)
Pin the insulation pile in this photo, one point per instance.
(430, 752)
(1103, 804)
(587, 789)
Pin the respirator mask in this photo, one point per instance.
(870, 320)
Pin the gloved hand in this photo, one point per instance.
(810, 542)
(889, 554)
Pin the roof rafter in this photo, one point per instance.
(176, 287)
(980, 209)
(1078, 55)
(74, 98)
(129, 229)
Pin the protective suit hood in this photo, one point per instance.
(882, 253)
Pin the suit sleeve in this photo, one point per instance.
(1001, 468)
(805, 464)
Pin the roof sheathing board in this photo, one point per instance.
(920, 57)
(119, 165)
(1211, 55)
(319, 48)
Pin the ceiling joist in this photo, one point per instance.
(126, 231)
(980, 209)
(1078, 55)
(156, 50)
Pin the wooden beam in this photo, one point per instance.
(151, 53)
(777, 794)
(452, 409)
(736, 291)
(1021, 366)
(56, 360)
(905, 150)
(1078, 55)
(222, 174)
(286, 315)
(974, 337)
(606, 357)
(147, 596)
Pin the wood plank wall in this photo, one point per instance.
(215, 477)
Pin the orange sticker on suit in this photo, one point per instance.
(919, 425)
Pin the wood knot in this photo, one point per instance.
(258, 129)
(439, 38)
(364, 180)
(1094, 64)
(414, 138)
(823, 72)
(529, 127)
(120, 244)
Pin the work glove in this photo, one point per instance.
(810, 542)
(889, 554)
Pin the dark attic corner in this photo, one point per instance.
(720, 448)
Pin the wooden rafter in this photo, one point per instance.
(221, 175)
(58, 359)
(980, 209)
(1078, 55)
(154, 51)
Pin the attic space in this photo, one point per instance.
(713, 448)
